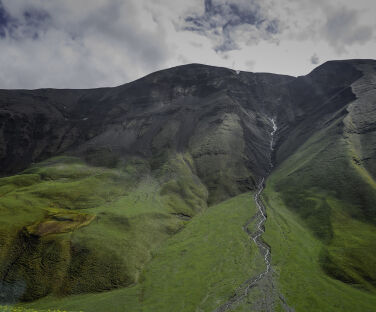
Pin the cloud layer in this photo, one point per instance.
(84, 44)
(229, 23)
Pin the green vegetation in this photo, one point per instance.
(67, 227)
(203, 265)
(90, 230)
(21, 309)
(297, 261)
(321, 226)
(198, 268)
(137, 234)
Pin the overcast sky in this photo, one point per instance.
(94, 43)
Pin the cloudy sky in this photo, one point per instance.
(93, 43)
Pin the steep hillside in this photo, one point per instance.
(127, 198)
(328, 184)
(193, 108)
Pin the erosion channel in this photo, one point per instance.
(242, 292)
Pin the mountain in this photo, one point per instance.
(139, 197)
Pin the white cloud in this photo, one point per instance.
(81, 44)
(343, 28)
(103, 44)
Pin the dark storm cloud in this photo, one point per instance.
(5, 21)
(35, 18)
(221, 20)
(28, 24)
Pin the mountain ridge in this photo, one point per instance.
(72, 96)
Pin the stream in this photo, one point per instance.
(243, 290)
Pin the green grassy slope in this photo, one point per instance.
(21, 309)
(321, 226)
(195, 270)
(67, 227)
(297, 264)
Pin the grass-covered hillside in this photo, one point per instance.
(67, 227)
(199, 268)
(321, 225)
(121, 238)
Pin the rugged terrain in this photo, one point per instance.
(135, 198)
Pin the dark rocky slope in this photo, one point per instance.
(37, 124)
(220, 117)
